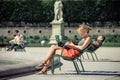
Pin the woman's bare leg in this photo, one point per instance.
(48, 59)
(50, 53)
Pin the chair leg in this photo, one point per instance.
(82, 57)
(76, 67)
(23, 48)
(74, 63)
(92, 56)
(96, 56)
(81, 65)
(87, 55)
(52, 66)
(59, 63)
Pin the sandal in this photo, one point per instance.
(40, 65)
(41, 72)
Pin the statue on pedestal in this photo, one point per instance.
(57, 23)
(58, 11)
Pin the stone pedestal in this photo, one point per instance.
(57, 29)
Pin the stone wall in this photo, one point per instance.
(26, 31)
(45, 31)
(95, 31)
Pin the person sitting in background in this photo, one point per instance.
(18, 40)
(97, 43)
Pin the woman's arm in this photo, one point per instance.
(86, 43)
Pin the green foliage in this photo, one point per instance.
(94, 37)
(32, 41)
(6, 39)
(45, 38)
(74, 10)
(31, 37)
(111, 44)
(36, 37)
(113, 38)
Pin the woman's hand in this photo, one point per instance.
(69, 44)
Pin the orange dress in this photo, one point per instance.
(70, 53)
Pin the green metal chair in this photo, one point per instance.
(74, 61)
(21, 47)
(92, 53)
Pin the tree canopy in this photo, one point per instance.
(74, 10)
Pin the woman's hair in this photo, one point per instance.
(83, 27)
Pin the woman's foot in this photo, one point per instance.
(40, 65)
(41, 72)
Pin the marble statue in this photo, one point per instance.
(58, 11)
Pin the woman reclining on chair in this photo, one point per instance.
(96, 44)
(83, 30)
